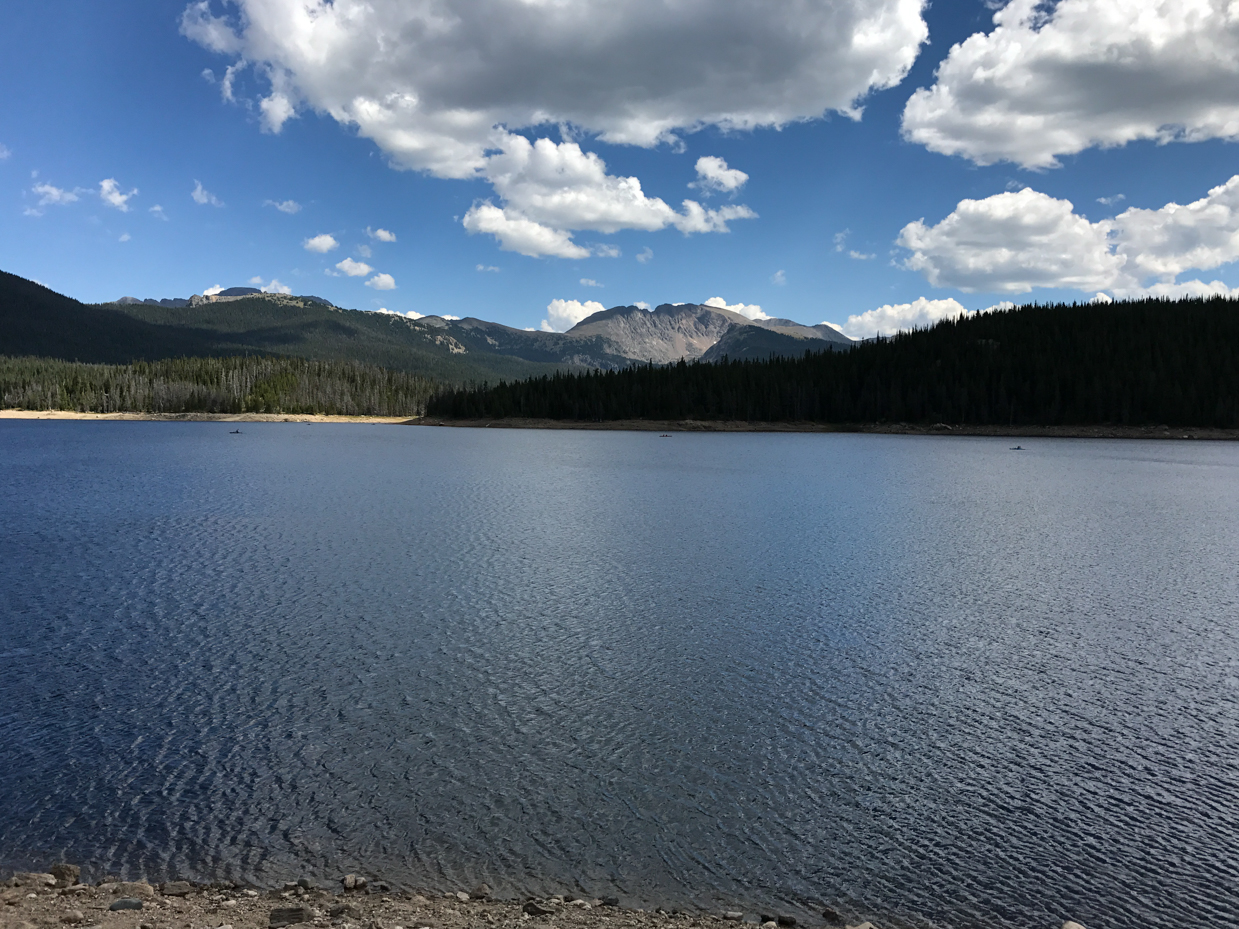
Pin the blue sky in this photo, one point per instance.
(847, 161)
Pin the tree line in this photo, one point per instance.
(244, 384)
(1133, 363)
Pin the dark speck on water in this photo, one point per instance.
(900, 678)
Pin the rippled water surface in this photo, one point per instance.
(930, 681)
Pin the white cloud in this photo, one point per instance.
(841, 239)
(1177, 291)
(860, 256)
(898, 317)
(411, 314)
(125, 237)
(607, 251)
(109, 193)
(1050, 81)
(1014, 242)
(284, 206)
(589, 282)
(4, 153)
(562, 315)
(203, 196)
(54, 196)
(382, 282)
(488, 268)
(714, 175)
(750, 310)
(364, 251)
(320, 243)
(642, 304)
(428, 81)
(381, 235)
(551, 190)
(212, 291)
(779, 278)
(275, 287)
(1111, 201)
(1011, 243)
(646, 254)
(256, 280)
(354, 268)
(158, 213)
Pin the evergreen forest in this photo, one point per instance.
(249, 384)
(1144, 362)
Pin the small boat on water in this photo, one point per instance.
(235, 432)
(1017, 448)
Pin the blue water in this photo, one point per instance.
(929, 681)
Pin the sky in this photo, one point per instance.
(874, 164)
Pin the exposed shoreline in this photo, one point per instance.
(1104, 431)
(31, 900)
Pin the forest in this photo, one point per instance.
(1138, 362)
(249, 384)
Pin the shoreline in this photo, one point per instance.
(31, 900)
(1103, 431)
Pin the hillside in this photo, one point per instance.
(1133, 363)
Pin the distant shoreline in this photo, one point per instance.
(661, 426)
(940, 429)
(201, 417)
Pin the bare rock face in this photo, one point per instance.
(664, 336)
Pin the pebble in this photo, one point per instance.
(250, 893)
(734, 916)
(135, 889)
(126, 903)
(305, 883)
(610, 901)
(1070, 925)
(35, 878)
(832, 917)
(73, 916)
(462, 896)
(535, 909)
(353, 882)
(177, 889)
(481, 891)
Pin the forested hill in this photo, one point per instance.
(1132, 363)
(36, 321)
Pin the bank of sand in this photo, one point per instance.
(660, 425)
(200, 417)
(45, 901)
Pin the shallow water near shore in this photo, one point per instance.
(931, 681)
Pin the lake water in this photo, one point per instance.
(930, 681)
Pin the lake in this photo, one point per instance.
(925, 680)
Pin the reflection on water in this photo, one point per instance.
(921, 679)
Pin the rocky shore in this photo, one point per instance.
(59, 900)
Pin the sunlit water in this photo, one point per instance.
(930, 681)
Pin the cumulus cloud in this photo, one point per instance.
(1051, 81)
(1014, 242)
(380, 235)
(898, 317)
(589, 282)
(430, 83)
(645, 255)
(860, 256)
(284, 206)
(354, 268)
(109, 193)
(320, 243)
(607, 251)
(642, 304)
(749, 310)
(274, 287)
(562, 315)
(714, 175)
(212, 291)
(382, 282)
(1010, 243)
(551, 190)
(158, 213)
(202, 196)
(410, 314)
(427, 82)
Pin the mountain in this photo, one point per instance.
(37, 321)
(691, 331)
